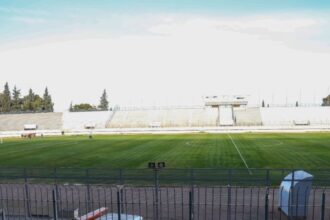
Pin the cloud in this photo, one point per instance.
(297, 31)
(176, 59)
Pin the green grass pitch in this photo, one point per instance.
(277, 150)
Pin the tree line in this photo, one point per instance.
(14, 102)
(103, 105)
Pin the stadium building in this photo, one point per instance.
(219, 113)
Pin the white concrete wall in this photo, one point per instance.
(285, 116)
(247, 116)
(78, 120)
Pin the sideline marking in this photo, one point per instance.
(247, 167)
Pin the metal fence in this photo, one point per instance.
(156, 194)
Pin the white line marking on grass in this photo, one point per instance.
(239, 152)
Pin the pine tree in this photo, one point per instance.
(28, 101)
(1, 98)
(48, 105)
(297, 104)
(6, 99)
(16, 102)
(263, 104)
(104, 103)
(71, 107)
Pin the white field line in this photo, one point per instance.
(239, 152)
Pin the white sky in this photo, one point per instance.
(177, 60)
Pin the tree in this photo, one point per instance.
(1, 98)
(263, 104)
(28, 101)
(47, 104)
(326, 101)
(84, 107)
(104, 103)
(6, 99)
(297, 103)
(16, 101)
(71, 107)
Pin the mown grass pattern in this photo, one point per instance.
(278, 150)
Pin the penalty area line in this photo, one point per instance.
(240, 154)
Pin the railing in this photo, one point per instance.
(159, 194)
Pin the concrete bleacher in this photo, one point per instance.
(185, 117)
(171, 117)
(226, 116)
(44, 121)
(290, 116)
(247, 116)
(79, 120)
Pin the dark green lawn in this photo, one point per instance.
(307, 151)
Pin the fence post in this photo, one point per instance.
(191, 206)
(55, 211)
(191, 195)
(229, 203)
(229, 194)
(118, 205)
(27, 194)
(88, 192)
(323, 206)
(266, 204)
(3, 214)
(156, 193)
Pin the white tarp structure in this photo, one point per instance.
(294, 193)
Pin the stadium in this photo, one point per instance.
(210, 110)
(261, 144)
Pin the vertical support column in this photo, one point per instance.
(55, 208)
(156, 194)
(27, 195)
(2, 214)
(323, 206)
(118, 204)
(229, 194)
(88, 192)
(191, 206)
(267, 204)
(191, 195)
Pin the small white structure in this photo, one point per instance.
(30, 127)
(294, 193)
(225, 105)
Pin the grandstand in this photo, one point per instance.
(218, 113)
(44, 121)
(82, 120)
(162, 118)
(284, 116)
